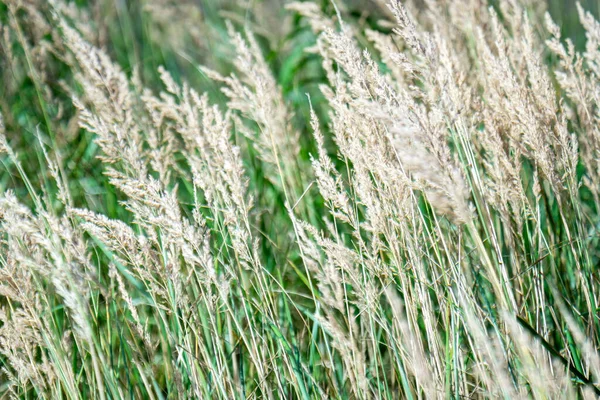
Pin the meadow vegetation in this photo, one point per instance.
(320, 199)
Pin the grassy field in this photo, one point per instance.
(347, 199)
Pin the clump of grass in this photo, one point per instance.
(396, 205)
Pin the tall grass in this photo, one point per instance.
(239, 200)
